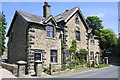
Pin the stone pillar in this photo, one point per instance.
(103, 61)
(97, 59)
(38, 68)
(21, 69)
(106, 60)
(51, 68)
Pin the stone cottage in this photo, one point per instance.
(33, 37)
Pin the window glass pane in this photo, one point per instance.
(54, 59)
(48, 34)
(53, 55)
(49, 30)
(51, 59)
(77, 35)
(51, 34)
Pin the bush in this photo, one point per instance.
(46, 69)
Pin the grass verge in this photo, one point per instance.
(102, 66)
(71, 72)
(81, 70)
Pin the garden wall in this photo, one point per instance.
(11, 67)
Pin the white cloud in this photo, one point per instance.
(99, 15)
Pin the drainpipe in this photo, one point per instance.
(89, 51)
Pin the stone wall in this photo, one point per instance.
(71, 29)
(11, 67)
(41, 42)
(94, 47)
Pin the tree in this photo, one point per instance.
(108, 39)
(94, 23)
(118, 41)
(2, 31)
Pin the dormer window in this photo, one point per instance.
(49, 31)
(76, 19)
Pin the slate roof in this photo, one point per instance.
(30, 17)
(65, 15)
(38, 19)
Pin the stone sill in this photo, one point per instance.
(51, 38)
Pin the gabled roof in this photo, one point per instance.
(40, 20)
(67, 15)
(48, 18)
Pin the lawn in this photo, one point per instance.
(102, 65)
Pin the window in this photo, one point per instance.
(38, 56)
(76, 19)
(77, 33)
(49, 31)
(53, 55)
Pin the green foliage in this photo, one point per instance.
(95, 23)
(108, 39)
(2, 30)
(47, 69)
(62, 44)
(83, 52)
(73, 47)
(102, 65)
(82, 55)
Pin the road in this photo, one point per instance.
(107, 72)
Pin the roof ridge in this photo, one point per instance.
(66, 11)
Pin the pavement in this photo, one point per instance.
(107, 72)
(6, 74)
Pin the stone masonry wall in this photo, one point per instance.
(41, 42)
(71, 28)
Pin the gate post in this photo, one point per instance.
(51, 68)
(21, 69)
(38, 68)
(106, 60)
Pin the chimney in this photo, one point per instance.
(66, 10)
(46, 9)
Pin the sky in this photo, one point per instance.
(106, 11)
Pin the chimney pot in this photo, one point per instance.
(45, 3)
(66, 10)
